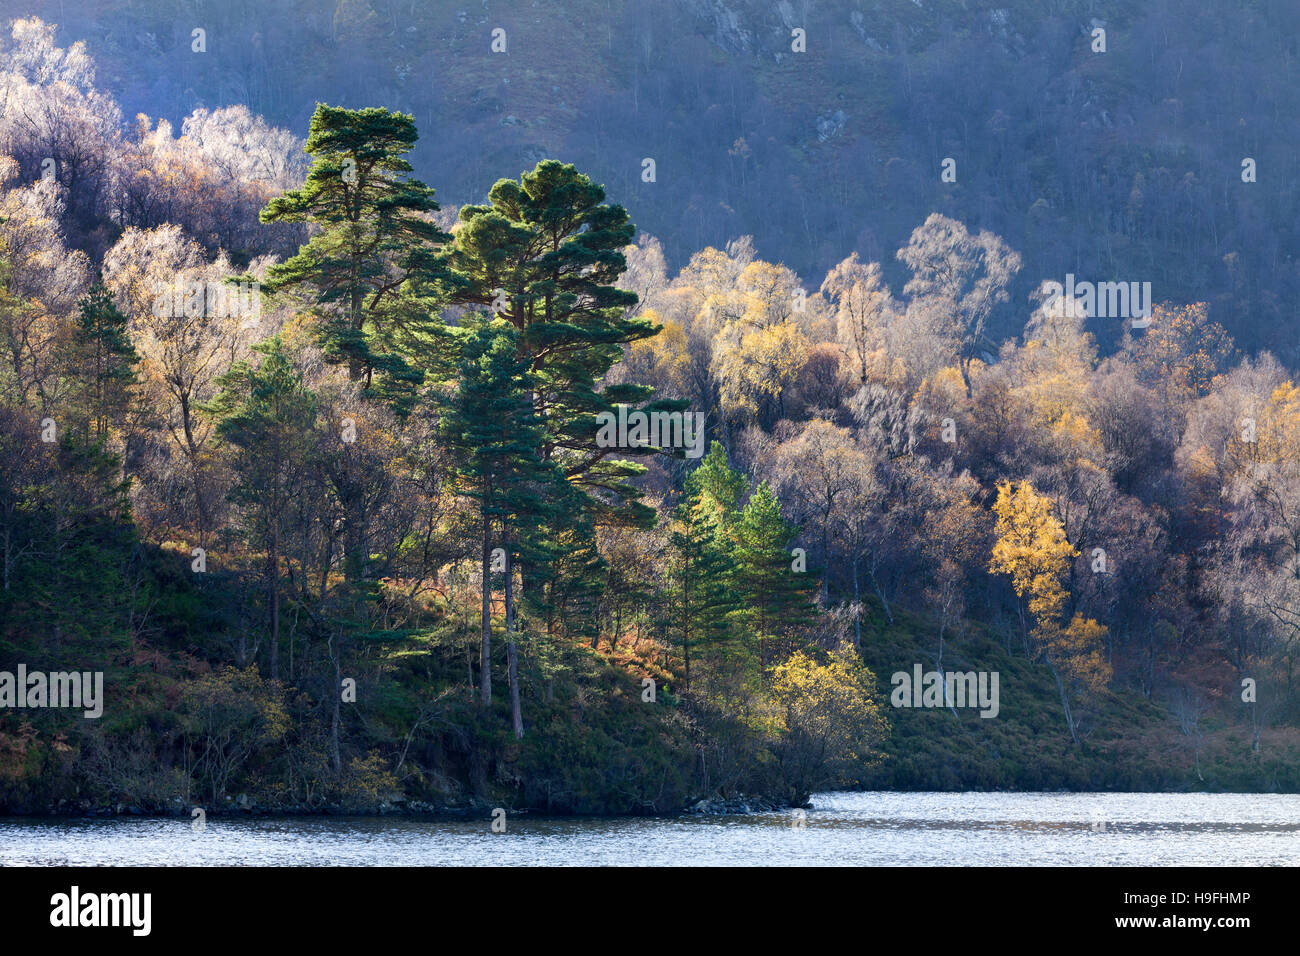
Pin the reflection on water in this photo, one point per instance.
(859, 829)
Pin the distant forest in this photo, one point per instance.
(1122, 165)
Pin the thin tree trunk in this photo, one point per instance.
(1065, 703)
(335, 717)
(196, 477)
(485, 641)
(273, 566)
(826, 559)
(512, 657)
(884, 602)
(686, 623)
(857, 607)
(943, 681)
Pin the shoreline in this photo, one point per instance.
(416, 809)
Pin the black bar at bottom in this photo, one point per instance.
(335, 906)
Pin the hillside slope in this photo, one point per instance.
(1122, 165)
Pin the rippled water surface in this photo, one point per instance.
(860, 829)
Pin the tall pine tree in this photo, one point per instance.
(265, 414)
(491, 425)
(373, 269)
(778, 599)
(704, 597)
(545, 254)
(104, 361)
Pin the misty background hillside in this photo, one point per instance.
(1123, 165)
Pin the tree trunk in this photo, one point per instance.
(512, 658)
(335, 717)
(884, 602)
(943, 681)
(826, 560)
(1065, 703)
(273, 568)
(686, 624)
(857, 607)
(485, 640)
(196, 477)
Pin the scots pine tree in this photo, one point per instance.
(545, 254)
(266, 415)
(494, 432)
(777, 598)
(704, 595)
(371, 273)
(104, 361)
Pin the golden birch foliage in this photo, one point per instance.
(1077, 649)
(1052, 372)
(768, 293)
(663, 360)
(1276, 433)
(831, 706)
(755, 370)
(863, 308)
(943, 393)
(1184, 350)
(1031, 547)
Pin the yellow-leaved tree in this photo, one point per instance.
(756, 368)
(827, 708)
(663, 361)
(1032, 548)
